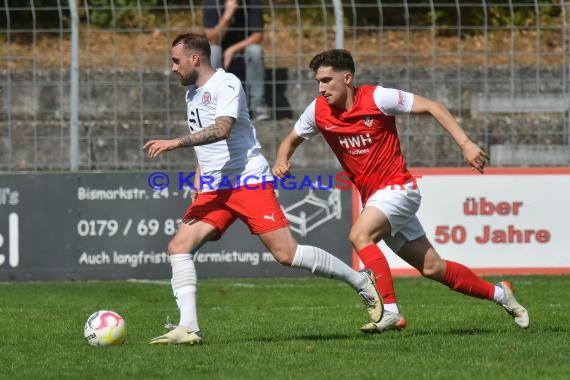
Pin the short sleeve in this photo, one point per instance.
(306, 125)
(212, 12)
(254, 16)
(392, 101)
(228, 99)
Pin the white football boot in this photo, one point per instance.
(512, 307)
(370, 296)
(179, 335)
(389, 321)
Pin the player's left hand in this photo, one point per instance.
(155, 147)
(475, 157)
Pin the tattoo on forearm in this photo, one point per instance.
(220, 130)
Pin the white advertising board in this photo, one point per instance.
(507, 221)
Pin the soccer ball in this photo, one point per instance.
(105, 328)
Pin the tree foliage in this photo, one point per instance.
(468, 16)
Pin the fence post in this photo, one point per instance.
(74, 89)
(339, 24)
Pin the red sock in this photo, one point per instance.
(373, 258)
(461, 279)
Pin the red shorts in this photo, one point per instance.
(258, 208)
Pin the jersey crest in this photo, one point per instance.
(365, 141)
(206, 98)
(368, 121)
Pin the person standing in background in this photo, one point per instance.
(234, 29)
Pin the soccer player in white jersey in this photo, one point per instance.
(359, 125)
(227, 149)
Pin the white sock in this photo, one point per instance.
(324, 264)
(499, 295)
(393, 307)
(184, 283)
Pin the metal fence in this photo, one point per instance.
(505, 78)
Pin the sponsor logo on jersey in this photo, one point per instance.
(356, 145)
(368, 121)
(206, 98)
(401, 98)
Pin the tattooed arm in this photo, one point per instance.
(218, 131)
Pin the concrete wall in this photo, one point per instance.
(119, 110)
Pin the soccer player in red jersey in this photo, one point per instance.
(359, 124)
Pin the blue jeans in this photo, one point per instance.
(254, 72)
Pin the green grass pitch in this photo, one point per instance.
(275, 328)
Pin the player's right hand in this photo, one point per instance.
(281, 168)
(155, 147)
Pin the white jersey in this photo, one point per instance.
(237, 158)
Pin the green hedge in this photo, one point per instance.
(446, 13)
(52, 14)
(121, 13)
(124, 13)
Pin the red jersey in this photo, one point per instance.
(364, 138)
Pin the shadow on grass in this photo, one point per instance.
(301, 337)
(388, 334)
(414, 333)
(470, 331)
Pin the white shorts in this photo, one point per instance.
(400, 207)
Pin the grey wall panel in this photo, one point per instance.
(114, 226)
